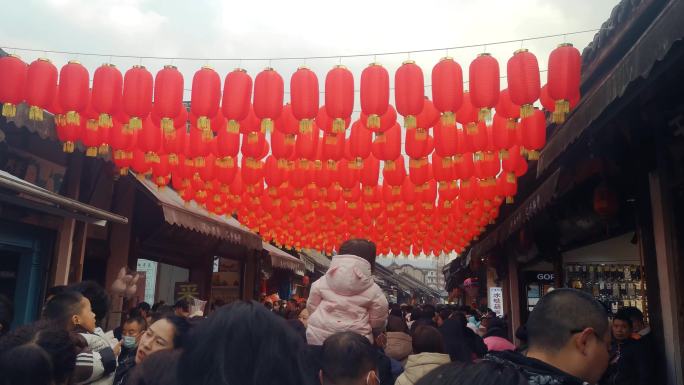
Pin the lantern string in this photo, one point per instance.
(284, 58)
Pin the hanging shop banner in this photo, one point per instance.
(186, 290)
(496, 300)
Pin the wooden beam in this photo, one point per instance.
(65, 233)
(78, 252)
(513, 295)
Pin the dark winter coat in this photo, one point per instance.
(536, 372)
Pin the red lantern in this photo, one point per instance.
(12, 84)
(137, 95)
(370, 172)
(564, 78)
(360, 143)
(327, 124)
(374, 93)
(550, 105)
(503, 136)
(339, 97)
(467, 115)
(149, 140)
(442, 169)
(304, 97)
(237, 97)
(268, 97)
(387, 147)
(484, 84)
(168, 97)
(506, 108)
(206, 94)
(73, 91)
(106, 93)
(523, 81)
(41, 86)
(445, 140)
(175, 145)
(279, 146)
(88, 131)
(417, 147)
(306, 145)
(464, 167)
(534, 133)
(426, 119)
(447, 89)
(409, 92)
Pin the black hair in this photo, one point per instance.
(144, 306)
(496, 328)
(346, 357)
(484, 372)
(634, 313)
(397, 324)
(243, 343)
(428, 312)
(6, 314)
(623, 315)
(36, 354)
(156, 306)
(444, 314)
(62, 307)
(361, 248)
(161, 312)
(415, 314)
(53, 291)
(427, 339)
(140, 320)
(182, 304)
(160, 368)
(396, 310)
(181, 330)
(559, 314)
(460, 342)
(99, 300)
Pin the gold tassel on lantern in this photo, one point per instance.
(91, 152)
(233, 126)
(511, 124)
(373, 121)
(73, 117)
(421, 134)
(332, 165)
(471, 128)
(9, 110)
(104, 120)
(305, 126)
(485, 114)
(134, 123)
(68, 147)
(252, 138)
(199, 162)
(173, 159)
(339, 125)
(36, 113)
(167, 127)
(447, 162)
(533, 155)
(448, 118)
(91, 125)
(103, 150)
(510, 177)
(331, 139)
(390, 165)
(509, 200)
(123, 171)
(410, 121)
(266, 125)
(526, 110)
(290, 139)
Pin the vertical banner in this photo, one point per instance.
(496, 300)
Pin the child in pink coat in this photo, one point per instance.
(347, 298)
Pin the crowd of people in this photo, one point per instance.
(345, 334)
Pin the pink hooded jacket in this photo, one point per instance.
(345, 299)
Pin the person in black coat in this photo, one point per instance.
(462, 344)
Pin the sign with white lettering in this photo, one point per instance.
(496, 300)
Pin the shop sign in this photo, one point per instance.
(186, 290)
(540, 276)
(496, 300)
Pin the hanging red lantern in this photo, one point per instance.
(348, 174)
(198, 148)
(442, 169)
(168, 97)
(161, 171)
(360, 143)
(374, 93)
(507, 109)
(502, 136)
(12, 84)
(175, 145)
(467, 115)
(306, 145)
(426, 119)
(237, 97)
(417, 148)
(523, 81)
(304, 97)
(463, 166)
(484, 84)
(606, 203)
(409, 92)
(88, 131)
(280, 148)
(339, 97)
(388, 146)
(445, 140)
(106, 93)
(333, 147)
(74, 87)
(327, 124)
(534, 133)
(550, 105)
(206, 94)
(139, 163)
(149, 140)
(447, 89)
(268, 97)
(41, 84)
(420, 171)
(565, 65)
(137, 95)
(371, 171)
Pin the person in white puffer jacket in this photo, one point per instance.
(346, 298)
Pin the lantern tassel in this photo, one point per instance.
(173, 159)
(123, 171)
(511, 124)
(266, 125)
(73, 117)
(105, 120)
(410, 121)
(252, 138)
(68, 147)
(207, 135)
(36, 113)
(339, 125)
(91, 152)
(127, 129)
(290, 139)
(134, 123)
(330, 139)
(390, 165)
(510, 177)
(533, 155)
(118, 155)
(203, 123)
(485, 114)
(233, 126)
(471, 128)
(305, 126)
(199, 161)
(103, 150)
(91, 125)
(373, 121)
(509, 200)
(526, 110)
(167, 126)
(448, 118)
(421, 134)
(558, 117)
(9, 110)
(447, 162)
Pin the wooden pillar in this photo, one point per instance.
(119, 243)
(513, 295)
(249, 280)
(65, 233)
(667, 267)
(78, 252)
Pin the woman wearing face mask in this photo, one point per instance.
(131, 331)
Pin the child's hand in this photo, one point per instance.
(117, 349)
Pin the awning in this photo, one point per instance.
(651, 47)
(319, 261)
(191, 216)
(541, 197)
(26, 194)
(283, 260)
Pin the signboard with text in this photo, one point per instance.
(496, 300)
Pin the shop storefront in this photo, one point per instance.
(282, 273)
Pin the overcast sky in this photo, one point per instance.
(278, 28)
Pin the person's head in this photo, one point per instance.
(427, 339)
(361, 248)
(53, 291)
(243, 343)
(397, 324)
(161, 312)
(427, 312)
(622, 326)
(37, 354)
(304, 317)
(182, 308)
(415, 314)
(6, 314)
(268, 304)
(158, 369)
(569, 329)
(484, 372)
(496, 327)
(170, 332)
(442, 316)
(144, 308)
(131, 331)
(156, 306)
(348, 359)
(96, 294)
(70, 310)
(637, 318)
